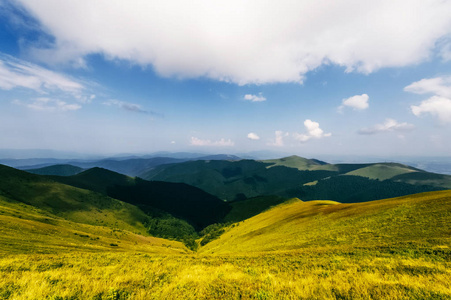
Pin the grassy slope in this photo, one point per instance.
(382, 171)
(422, 220)
(297, 162)
(71, 203)
(418, 270)
(248, 208)
(27, 229)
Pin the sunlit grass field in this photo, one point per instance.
(312, 274)
(389, 249)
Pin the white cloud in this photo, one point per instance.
(439, 107)
(253, 136)
(441, 86)
(313, 132)
(445, 51)
(278, 139)
(235, 42)
(357, 102)
(254, 98)
(15, 73)
(47, 104)
(388, 126)
(222, 142)
(125, 106)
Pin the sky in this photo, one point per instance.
(311, 78)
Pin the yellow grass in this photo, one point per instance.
(389, 249)
(294, 275)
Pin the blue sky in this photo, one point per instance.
(300, 77)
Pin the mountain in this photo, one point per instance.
(71, 203)
(420, 221)
(294, 176)
(131, 167)
(180, 200)
(297, 162)
(60, 170)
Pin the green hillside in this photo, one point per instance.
(26, 229)
(59, 170)
(180, 200)
(95, 179)
(294, 176)
(349, 189)
(415, 221)
(244, 209)
(425, 178)
(68, 202)
(236, 180)
(382, 171)
(297, 162)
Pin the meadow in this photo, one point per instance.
(318, 274)
(396, 248)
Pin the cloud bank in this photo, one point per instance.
(243, 42)
(222, 142)
(388, 126)
(439, 105)
(16, 73)
(47, 104)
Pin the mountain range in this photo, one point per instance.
(98, 234)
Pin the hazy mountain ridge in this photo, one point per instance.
(59, 170)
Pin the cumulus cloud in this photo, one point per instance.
(439, 105)
(125, 106)
(253, 136)
(47, 104)
(15, 73)
(440, 86)
(278, 139)
(357, 102)
(313, 132)
(222, 142)
(388, 126)
(235, 42)
(254, 98)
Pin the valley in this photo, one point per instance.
(72, 233)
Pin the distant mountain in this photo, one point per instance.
(295, 176)
(236, 180)
(181, 200)
(130, 165)
(60, 170)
